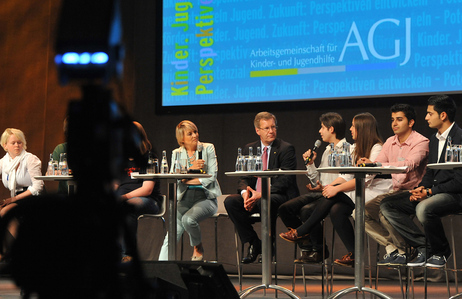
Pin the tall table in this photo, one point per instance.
(360, 175)
(68, 178)
(448, 166)
(172, 199)
(266, 227)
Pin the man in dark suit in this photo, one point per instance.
(439, 193)
(278, 155)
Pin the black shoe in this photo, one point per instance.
(303, 259)
(316, 256)
(253, 252)
(272, 257)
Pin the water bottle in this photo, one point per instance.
(239, 160)
(51, 166)
(347, 155)
(258, 161)
(331, 157)
(251, 160)
(62, 166)
(448, 156)
(164, 165)
(150, 167)
(177, 165)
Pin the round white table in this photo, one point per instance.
(68, 178)
(172, 179)
(360, 174)
(266, 175)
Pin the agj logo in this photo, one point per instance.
(359, 44)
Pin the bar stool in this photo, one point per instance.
(159, 215)
(240, 252)
(324, 266)
(221, 213)
(455, 270)
(397, 268)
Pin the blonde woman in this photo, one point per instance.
(197, 198)
(18, 168)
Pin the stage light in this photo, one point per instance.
(70, 58)
(85, 58)
(89, 51)
(99, 58)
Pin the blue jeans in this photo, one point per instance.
(398, 209)
(191, 209)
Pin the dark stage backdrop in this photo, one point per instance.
(32, 100)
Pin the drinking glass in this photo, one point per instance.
(184, 165)
(62, 166)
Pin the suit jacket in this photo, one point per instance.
(440, 180)
(282, 156)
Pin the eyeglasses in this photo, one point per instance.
(273, 128)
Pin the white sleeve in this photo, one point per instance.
(34, 168)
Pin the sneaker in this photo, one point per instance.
(400, 260)
(436, 260)
(387, 258)
(418, 261)
(346, 260)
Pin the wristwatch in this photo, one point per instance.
(428, 192)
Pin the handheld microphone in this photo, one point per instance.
(316, 145)
(375, 164)
(200, 147)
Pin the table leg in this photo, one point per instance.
(70, 187)
(266, 244)
(171, 196)
(359, 243)
(266, 231)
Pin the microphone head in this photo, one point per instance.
(200, 147)
(317, 143)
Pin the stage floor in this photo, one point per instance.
(8, 289)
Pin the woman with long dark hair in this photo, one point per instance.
(339, 196)
(142, 195)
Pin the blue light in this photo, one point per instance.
(71, 58)
(58, 59)
(99, 58)
(84, 58)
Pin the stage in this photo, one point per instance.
(8, 289)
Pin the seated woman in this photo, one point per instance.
(143, 195)
(197, 198)
(339, 195)
(19, 169)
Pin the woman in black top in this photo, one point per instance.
(143, 195)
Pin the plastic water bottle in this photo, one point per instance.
(448, 156)
(177, 165)
(251, 160)
(62, 166)
(150, 169)
(164, 165)
(51, 166)
(258, 161)
(346, 146)
(331, 157)
(239, 160)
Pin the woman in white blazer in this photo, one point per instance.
(197, 198)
